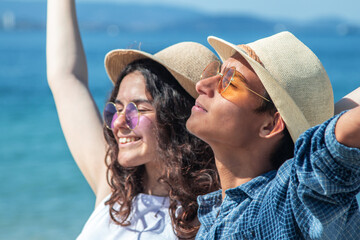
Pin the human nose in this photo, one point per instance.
(119, 121)
(207, 86)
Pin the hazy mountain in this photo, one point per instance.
(142, 18)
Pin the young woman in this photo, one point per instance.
(146, 147)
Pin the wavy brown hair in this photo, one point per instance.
(188, 161)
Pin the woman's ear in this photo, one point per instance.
(273, 126)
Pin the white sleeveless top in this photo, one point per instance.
(149, 219)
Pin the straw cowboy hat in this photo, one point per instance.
(292, 75)
(185, 61)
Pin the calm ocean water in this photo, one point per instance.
(42, 193)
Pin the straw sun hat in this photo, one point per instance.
(293, 76)
(185, 61)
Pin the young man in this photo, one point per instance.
(251, 110)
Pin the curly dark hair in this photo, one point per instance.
(188, 161)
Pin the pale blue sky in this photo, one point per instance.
(292, 9)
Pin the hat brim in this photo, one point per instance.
(116, 60)
(291, 114)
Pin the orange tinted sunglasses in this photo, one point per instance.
(229, 77)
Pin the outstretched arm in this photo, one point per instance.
(349, 101)
(67, 77)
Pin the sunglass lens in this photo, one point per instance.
(110, 115)
(227, 78)
(131, 115)
(211, 70)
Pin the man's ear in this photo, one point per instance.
(273, 126)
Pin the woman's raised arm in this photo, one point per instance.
(68, 80)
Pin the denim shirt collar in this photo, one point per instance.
(249, 188)
(252, 187)
(209, 204)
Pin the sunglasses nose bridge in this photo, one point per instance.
(120, 121)
(132, 115)
(208, 85)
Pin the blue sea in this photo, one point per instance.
(42, 193)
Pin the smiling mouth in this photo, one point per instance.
(125, 140)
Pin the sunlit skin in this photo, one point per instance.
(142, 145)
(241, 139)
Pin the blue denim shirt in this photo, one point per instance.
(312, 196)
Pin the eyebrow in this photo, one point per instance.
(137, 101)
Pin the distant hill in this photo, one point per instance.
(152, 18)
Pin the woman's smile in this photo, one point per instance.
(127, 140)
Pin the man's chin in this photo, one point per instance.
(193, 127)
